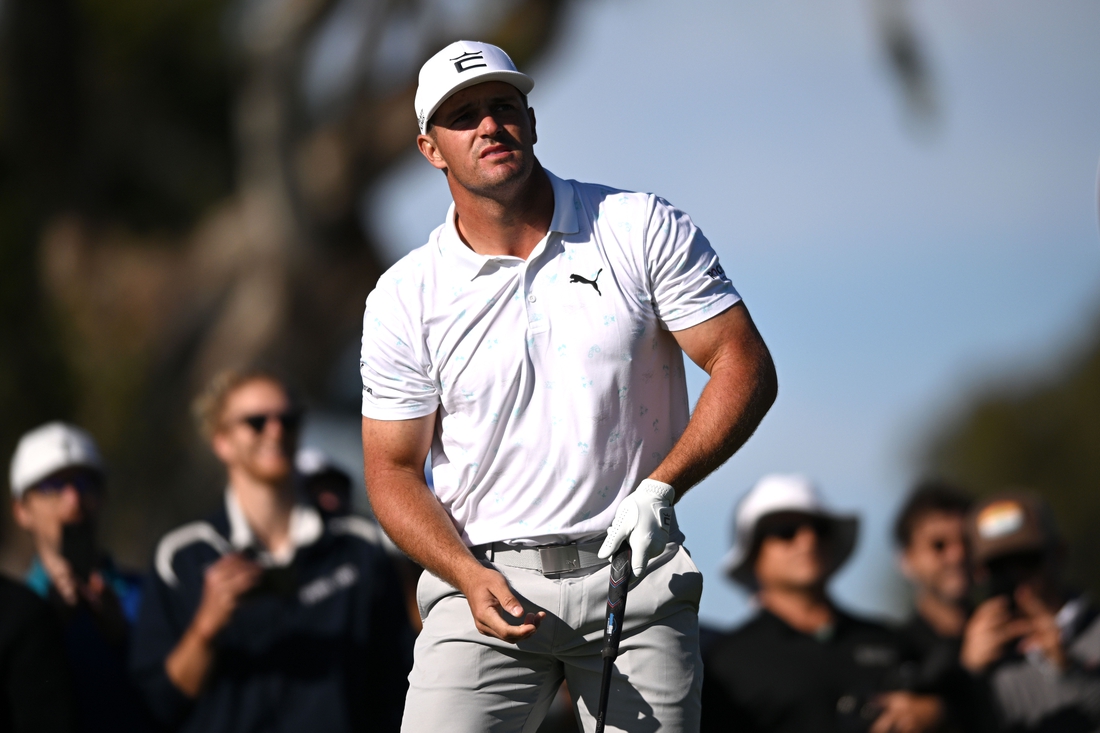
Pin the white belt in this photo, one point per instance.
(547, 559)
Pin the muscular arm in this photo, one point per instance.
(393, 465)
(741, 388)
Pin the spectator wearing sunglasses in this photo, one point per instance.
(802, 663)
(57, 483)
(933, 555)
(266, 616)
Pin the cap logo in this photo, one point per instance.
(1000, 519)
(465, 62)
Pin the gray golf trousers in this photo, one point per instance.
(464, 682)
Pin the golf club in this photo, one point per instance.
(613, 631)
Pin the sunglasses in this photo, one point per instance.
(290, 421)
(83, 483)
(787, 531)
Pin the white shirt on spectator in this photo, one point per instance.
(557, 383)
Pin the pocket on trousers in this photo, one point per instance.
(690, 587)
(430, 590)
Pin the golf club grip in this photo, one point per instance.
(616, 601)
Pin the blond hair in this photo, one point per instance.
(208, 408)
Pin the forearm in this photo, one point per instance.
(734, 401)
(189, 663)
(416, 521)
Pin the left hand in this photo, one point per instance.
(1044, 636)
(906, 712)
(643, 519)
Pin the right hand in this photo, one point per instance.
(990, 629)
(223, 585)
(492, 602)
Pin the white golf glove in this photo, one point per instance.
(643, 519)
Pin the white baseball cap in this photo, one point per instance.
(776, 493)
(48, 449)
(463, 64)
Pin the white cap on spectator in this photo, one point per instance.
(48, 449)
(463, 64)
(773, 494)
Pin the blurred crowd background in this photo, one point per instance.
(904, 191)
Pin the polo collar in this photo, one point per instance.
(469, 264)
(306, 527)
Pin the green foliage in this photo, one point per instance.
(118, 110)
(1044, 436)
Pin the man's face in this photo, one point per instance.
(68, 496)
(936, 559)
(259, 431)
(794, 552)
(484, 137)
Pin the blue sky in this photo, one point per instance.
(890, 273)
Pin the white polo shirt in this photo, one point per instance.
(556, 384)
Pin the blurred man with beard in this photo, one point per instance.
(266, 616)
(801, 663)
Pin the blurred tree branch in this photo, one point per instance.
(175, 207)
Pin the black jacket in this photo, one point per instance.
(766, 676)
(35, 687)
(323, 645)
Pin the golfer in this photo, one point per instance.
(534, 347)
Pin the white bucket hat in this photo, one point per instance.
(784, 493)
(48, 449)
(463, 64)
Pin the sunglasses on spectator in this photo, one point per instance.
(787, 531)
(940, 546)
(289, 420)
(84, 483)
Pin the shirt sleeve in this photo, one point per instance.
(396, 383)
(688, 283)
(155, 635)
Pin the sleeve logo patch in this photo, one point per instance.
(717, 273)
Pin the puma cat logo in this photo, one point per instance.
(586, 281)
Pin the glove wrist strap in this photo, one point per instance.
(660, 490)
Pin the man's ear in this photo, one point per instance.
(21, 515)
(904, 565)
(426, 145)
(222, 447)
(534, 134)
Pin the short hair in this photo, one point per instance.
(209, 406)
(928, 497)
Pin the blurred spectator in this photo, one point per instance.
(35, 689)
(801, 663)
(1036, 641)
(57, 483)
(930, 532)
(327, 485)
(266, 617)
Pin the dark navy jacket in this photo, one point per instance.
(323, 645)
(105, 699)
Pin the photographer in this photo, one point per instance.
(58, 491)
(802, 664)
(266, 616)
(1036, 642)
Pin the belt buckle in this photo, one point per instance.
(559, 559)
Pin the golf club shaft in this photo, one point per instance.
(613, 630)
